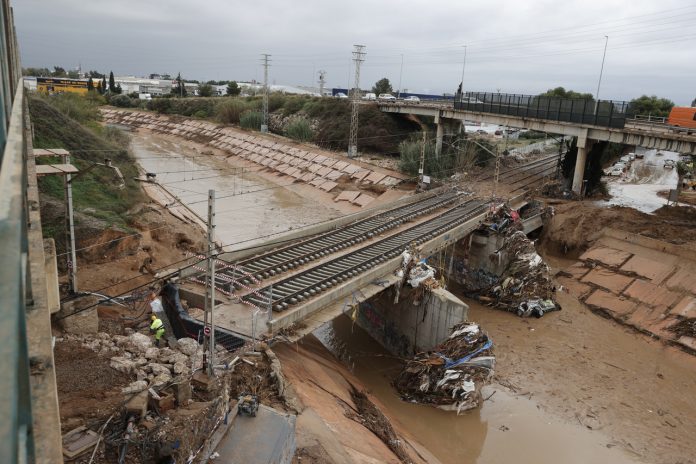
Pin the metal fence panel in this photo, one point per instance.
(604, 113)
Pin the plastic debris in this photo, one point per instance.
(451, 376)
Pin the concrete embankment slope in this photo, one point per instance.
(357, 183)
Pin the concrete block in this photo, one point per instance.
(74, 319)
(51, 270)
(138, 403)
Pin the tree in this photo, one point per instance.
(693, 103)
(73, 74)
(179, 89)
(58, 72)
(90, 85)
(118, 89)
(233, 89)
(36, 72)
(652, 106)
(101, 86)
(382, 86)
(205, 90)
(112, 82)
(563, 93)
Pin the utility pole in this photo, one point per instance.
(421, 166)
(209, 322)
(264, 124)
(401, 72)
(322, 82)
(70, 232)
(358, 58)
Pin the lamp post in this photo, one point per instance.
(601, 70)
(463, 69)
(401, 71)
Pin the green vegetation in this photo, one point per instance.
(532, 135)
(88, 142)
(300, 129)
(563, 93)
(205, 90)
(251, 120)
(229, 110)
(122, 101)
(459, 155)
(180, 89)
(382, 86)
(652, 106)
(233, 89)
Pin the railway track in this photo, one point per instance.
(309, 283)
(291, 256)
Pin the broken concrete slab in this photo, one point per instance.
(347, 195)
(686, 308)
(651, 294)
(613, 305)
(606, 255)
(608, 279)
(363, 200)
(648, 268)
(577, 289)
(78, 441)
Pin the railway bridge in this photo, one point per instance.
(307, 278)
(588, 120)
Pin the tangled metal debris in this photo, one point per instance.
(450, 376)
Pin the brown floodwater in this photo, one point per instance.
(248, 206)
(507, 429)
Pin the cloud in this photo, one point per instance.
(519, 47)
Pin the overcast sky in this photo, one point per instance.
(513, 46)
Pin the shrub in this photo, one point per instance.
(81, 109)
(293, 104)
(251, 120)
(229, 110)
(122, 101)
(161, 105)
(299, 129)
(276, 101)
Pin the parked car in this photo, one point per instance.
(341, 95)
(369, 96)
(631, 156)
(412, 99)
(640, 155)
(619, 165)
(669, 164)
(625, 159)
(386, 97)
(616, 171)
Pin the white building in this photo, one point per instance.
(130, 84)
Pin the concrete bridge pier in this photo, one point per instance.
(445, 126)
(584, 147)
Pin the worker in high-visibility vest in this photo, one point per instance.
(157, 327)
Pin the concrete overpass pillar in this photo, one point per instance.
(438, 137)
(584, 146)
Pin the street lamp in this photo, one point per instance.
(601, 70)
(401, 71)
(463, 69)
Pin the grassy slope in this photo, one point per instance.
(97, 191)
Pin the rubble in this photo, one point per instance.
(135, 387)
(450, 376)
(188, 346)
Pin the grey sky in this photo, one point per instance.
(515, 46)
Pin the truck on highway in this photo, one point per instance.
(683, 116)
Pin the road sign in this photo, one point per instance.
(206, 330)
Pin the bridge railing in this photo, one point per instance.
(605, 113)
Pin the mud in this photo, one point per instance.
(510, 427)
(575, 226)
(248, 204)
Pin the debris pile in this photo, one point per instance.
(450, 376)
(414, 271)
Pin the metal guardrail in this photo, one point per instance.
(604, 113)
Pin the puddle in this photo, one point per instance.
(505, 429)
(247, 205)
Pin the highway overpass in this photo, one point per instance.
(449, 118)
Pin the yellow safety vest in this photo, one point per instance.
(156, 324)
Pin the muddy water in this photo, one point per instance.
(506, 429)
(247, 205)
(638, 186)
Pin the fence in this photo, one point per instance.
(16, 436)
(604, 113)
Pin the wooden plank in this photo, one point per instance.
(60, 169)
